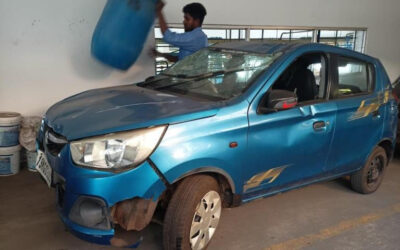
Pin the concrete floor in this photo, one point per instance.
(327, 215)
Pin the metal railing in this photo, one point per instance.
(243, 32)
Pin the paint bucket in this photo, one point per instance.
(9, 128)
(31, 160)
(9, 160)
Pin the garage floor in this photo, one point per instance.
(321, 216)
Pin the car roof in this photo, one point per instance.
(272, 47)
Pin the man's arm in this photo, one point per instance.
(161, 19)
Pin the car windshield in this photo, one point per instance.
(212, 73)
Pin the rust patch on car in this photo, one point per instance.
(133, 214)
(128, 239)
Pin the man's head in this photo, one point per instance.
(194, 14)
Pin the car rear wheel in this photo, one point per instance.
(193, 214)
(368, 179)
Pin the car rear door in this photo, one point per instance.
(358, 94)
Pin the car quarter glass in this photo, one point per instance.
(354, 77)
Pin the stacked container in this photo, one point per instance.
(27, 138)
(9, 144)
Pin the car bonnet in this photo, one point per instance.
(122, 108)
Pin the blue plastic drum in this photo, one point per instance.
(122, 31)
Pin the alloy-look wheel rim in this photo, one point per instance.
(205, 220)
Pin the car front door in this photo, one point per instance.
(291, 146)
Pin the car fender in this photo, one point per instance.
(208, 170)
(215, 144)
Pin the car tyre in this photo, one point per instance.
(369, 178)
(193, 214)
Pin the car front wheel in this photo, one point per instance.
(368, 179)
(193, 214)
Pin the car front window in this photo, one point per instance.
(213, 73)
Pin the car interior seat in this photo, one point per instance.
(304, 81)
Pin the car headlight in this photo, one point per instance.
(116, 151)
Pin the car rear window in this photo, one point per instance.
(354, 77)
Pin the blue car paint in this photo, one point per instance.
(352, 135)
(204, 143)
(102, 237)
(290, 133)
(391, 112)
(138, 182)
(372, 136)
(280, 146)
(109, 110)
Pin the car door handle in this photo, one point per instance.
(319, 125)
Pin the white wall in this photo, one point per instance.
(45, 44)
(45, 54)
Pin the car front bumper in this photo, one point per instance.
(74, 183)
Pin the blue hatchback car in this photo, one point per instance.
(224, 126)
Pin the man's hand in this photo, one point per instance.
(163, 24)
(159, 6)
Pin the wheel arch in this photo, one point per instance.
(222, 176)
(225, 181)
(388, 146)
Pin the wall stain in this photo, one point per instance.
(34, 22)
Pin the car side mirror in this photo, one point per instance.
(277, 100)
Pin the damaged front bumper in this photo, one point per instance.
(105, 207)
(125, 222)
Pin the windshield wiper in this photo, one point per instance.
(176, 76)
(151, 80)
(201, 76)
(204, 75)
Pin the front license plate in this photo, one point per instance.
(44, 168)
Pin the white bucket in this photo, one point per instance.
(9, 128)
(9, 160)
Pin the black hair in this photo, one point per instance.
(196, 10)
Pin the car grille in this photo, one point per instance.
(52, 142)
